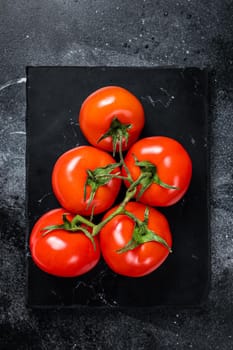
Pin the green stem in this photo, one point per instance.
(138, 181)
(132, 216)
(99, 227)
(80, 219)
(129, 195)
(129, 177)
(89, 235)
(163, 184)
(115, 176)
(118, 211)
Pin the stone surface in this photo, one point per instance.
(117, 32)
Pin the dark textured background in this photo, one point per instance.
(104, 32)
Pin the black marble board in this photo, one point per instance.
(176, 105)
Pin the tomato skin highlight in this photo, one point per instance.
(61, 253)
(69, 176)
(143, 259)
(101, 107)
(173, 164)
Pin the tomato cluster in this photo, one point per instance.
(133, 237)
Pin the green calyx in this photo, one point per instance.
(118, 132)
(148, 177)
(73, 226)
(99, 177)
(142, 234)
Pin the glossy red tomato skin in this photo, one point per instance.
(69, 176)
(102, 106)
(145, 258)
(59, 252)
(174, 167)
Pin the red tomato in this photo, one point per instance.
(173, 167)
(69, 177)
(146, 257)
(59, 252)
(103, 106)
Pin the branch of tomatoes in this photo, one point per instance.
(86, 180)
